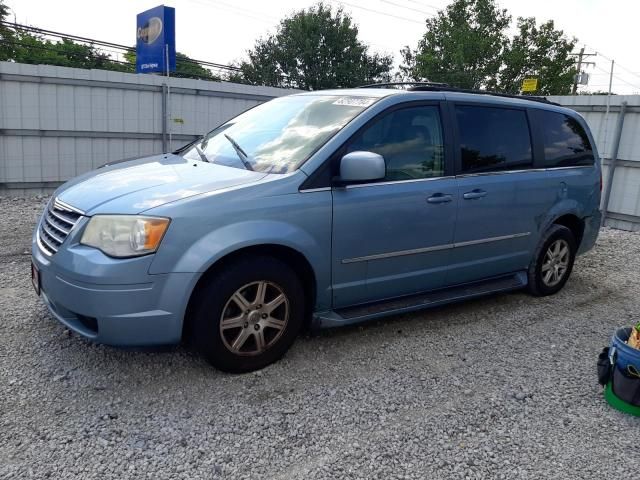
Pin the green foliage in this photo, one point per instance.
(314, 49)
(22, 47)
(462, 45)
(542, 52)
(467, 46)
(66, 53)
(6, 35)
(29, 48)
(185, 67)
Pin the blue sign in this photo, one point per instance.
(156, 40)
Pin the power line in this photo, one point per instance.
(422, 4)
(212, 3)
(50, 49)
(130, 66)
(260, 16)
(598, 73)
(340, 2)
(618, 78)
(636, 74)
(405, 7)
(28, 28)
(52, 33)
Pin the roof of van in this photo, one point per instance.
(448, 93)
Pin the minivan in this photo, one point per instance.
(321, 209)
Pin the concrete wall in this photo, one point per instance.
(58, 122)
(624, 205)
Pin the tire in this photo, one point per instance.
(550, 268)
(234, 341)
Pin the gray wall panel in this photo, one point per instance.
(67, 158)
(99, 111)
(82, 107)
(116, 115)
(47, 107)
(14, 161)
(34, 160)
(10, 110)
(50, 159)
(30, 106)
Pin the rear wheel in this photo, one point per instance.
(248, 315)
(553, 261)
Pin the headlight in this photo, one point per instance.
(125, 235)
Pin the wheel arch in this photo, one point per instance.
(569, 213)
(292, 257)
(573, 223)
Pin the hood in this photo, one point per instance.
(138, 185)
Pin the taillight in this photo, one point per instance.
(600, 181)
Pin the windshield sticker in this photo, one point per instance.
(355, 101)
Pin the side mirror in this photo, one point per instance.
(361, 166)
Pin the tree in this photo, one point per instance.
(462, 46)
(541, 52)
(467, 46)
(34, 49)
(314, 49)
(6, 34)
(185, 67)
(188, 68)
(67, 53)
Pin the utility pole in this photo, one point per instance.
(579, 69)
(604, 135)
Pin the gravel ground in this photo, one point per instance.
(502, 387)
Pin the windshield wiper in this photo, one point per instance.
(201, 153)
(244, 158)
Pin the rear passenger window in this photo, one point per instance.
(493, 139)
(565, 142)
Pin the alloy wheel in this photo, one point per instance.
(254, 318)
(556, 263)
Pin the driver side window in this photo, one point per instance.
(409, 139)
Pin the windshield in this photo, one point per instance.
(279, 135)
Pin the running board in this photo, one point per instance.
(360, 313)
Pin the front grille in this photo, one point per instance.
(57, 221)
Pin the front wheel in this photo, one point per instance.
(248, 315)
(553, 261)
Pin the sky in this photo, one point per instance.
(221, 31)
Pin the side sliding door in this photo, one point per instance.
(494, 154)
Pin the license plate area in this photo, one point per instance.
(35, 278)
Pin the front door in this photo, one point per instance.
(393, 237)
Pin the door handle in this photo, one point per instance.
(439, 198)
(473, 194)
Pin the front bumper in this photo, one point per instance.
(113, 301)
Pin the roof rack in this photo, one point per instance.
(444, 87)
(447, 88)
(400, 84)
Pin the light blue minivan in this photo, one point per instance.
(321, 209)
